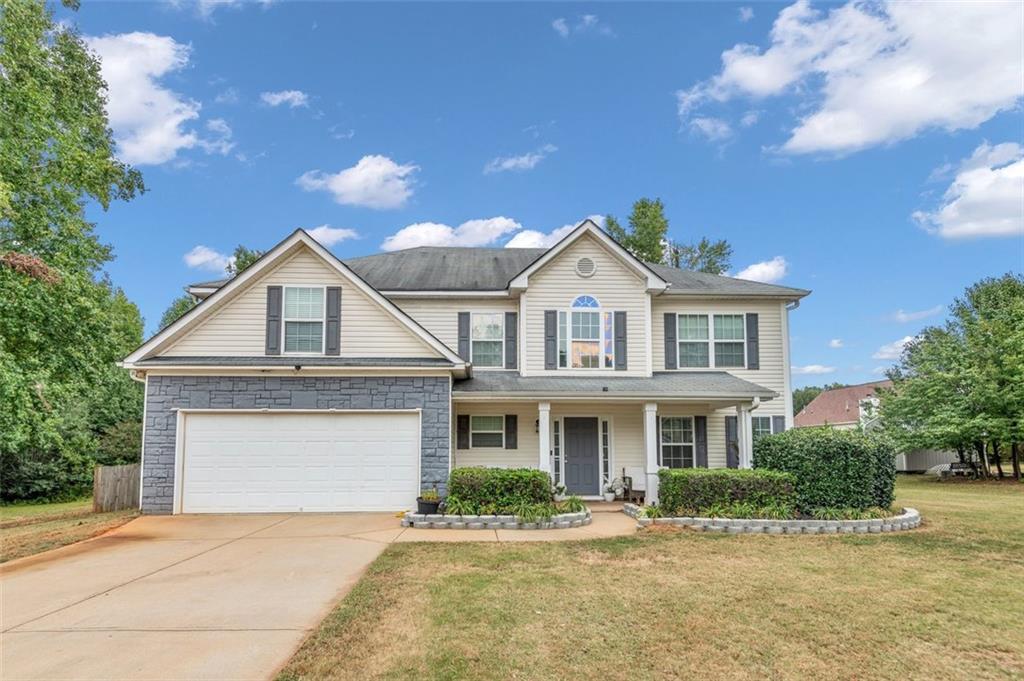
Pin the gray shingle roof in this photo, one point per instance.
(293, 361)
(430, 268)
(710, 384)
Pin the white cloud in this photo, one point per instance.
(221, 143)
(329, 236)
(339, 133)
(228, 96)
(713, 129)
(470, 233)
(880, 370)
(813, 369)
(892, 350)
(985, 199)
(147, 118)
(746, 14)
(531, 238)
(293, 98)
(750, 118)
(903, 317)
(374, 182)
(878, 73)
(205, 258)
(524, 162)
(767, 271)
(835, 343)
(585, 23)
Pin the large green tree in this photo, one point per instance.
(62, 324)
(646, 237)
(176, 309)
(242, 259)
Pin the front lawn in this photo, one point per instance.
(942, 602)
(26, 529)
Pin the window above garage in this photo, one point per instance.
(304, 319)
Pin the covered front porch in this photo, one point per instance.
(592, 431)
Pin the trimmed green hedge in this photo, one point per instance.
(833, 468)
(503, 488)
(694, 491)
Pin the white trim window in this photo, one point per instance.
(760, 425)
(304, 310)
(711, 341)
(606, 453)
(487, 431)
(585, 336)
(556, 441)
(677, 449)
(487, 339)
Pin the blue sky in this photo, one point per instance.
(870, 153)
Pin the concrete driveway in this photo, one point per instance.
(182, 597)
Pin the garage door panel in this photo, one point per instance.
(284, 462)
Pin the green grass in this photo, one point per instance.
(27, 529)
(945, 601)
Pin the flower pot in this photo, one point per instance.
(609, 496)
(426, 507)
(560, 497)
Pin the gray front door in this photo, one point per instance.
(582, 464)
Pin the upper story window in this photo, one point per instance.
(585, 338)
(487, 339)
(703, 338)
(304, 319)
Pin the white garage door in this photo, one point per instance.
(286, 462)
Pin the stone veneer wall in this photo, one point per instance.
(907, 520)
(166, 394)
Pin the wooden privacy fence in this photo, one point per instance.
(115, 488)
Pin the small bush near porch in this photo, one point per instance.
(497, 490)
(700, 491)
(833, 469)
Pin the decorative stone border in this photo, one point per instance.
(907, 520)
(560, 521)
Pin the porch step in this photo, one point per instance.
(605, 506)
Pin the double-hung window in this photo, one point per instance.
(711, 341)
(760, 425)
(487, 339)
(585, 336)
(304, 319)
(486, 431)
(677, 442)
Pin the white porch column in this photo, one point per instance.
(745, 435)
(651, 451)
(544, 431)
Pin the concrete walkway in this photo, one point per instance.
(203, 597)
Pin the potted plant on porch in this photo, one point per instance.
(559, 492)
(609, 493)
(428, 501)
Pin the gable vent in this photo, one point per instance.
(585, 267)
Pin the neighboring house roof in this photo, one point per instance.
(295, 360)
(692, 384)
(837, 406)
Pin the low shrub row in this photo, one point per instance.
(832, 469)
(697, 491)
(474, 491)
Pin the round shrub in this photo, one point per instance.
(832, 468)
(694, 491)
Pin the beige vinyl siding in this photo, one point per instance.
(238, 328)
(440, 316)
(615, 286)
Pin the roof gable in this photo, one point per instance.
(321, 263)
(839, 405)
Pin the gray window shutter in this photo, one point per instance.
(464, 336)
(273, 344)
(511, 334)
(511, 431)
(753, 351)
(671, 346)
(732, 442)
(550, 339)
(700, 436)
(332, 343)
(620, 341)
(778, 424)
(462, 431)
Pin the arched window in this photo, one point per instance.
(586, 301)
(585, 336)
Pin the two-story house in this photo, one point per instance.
(307, 383)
